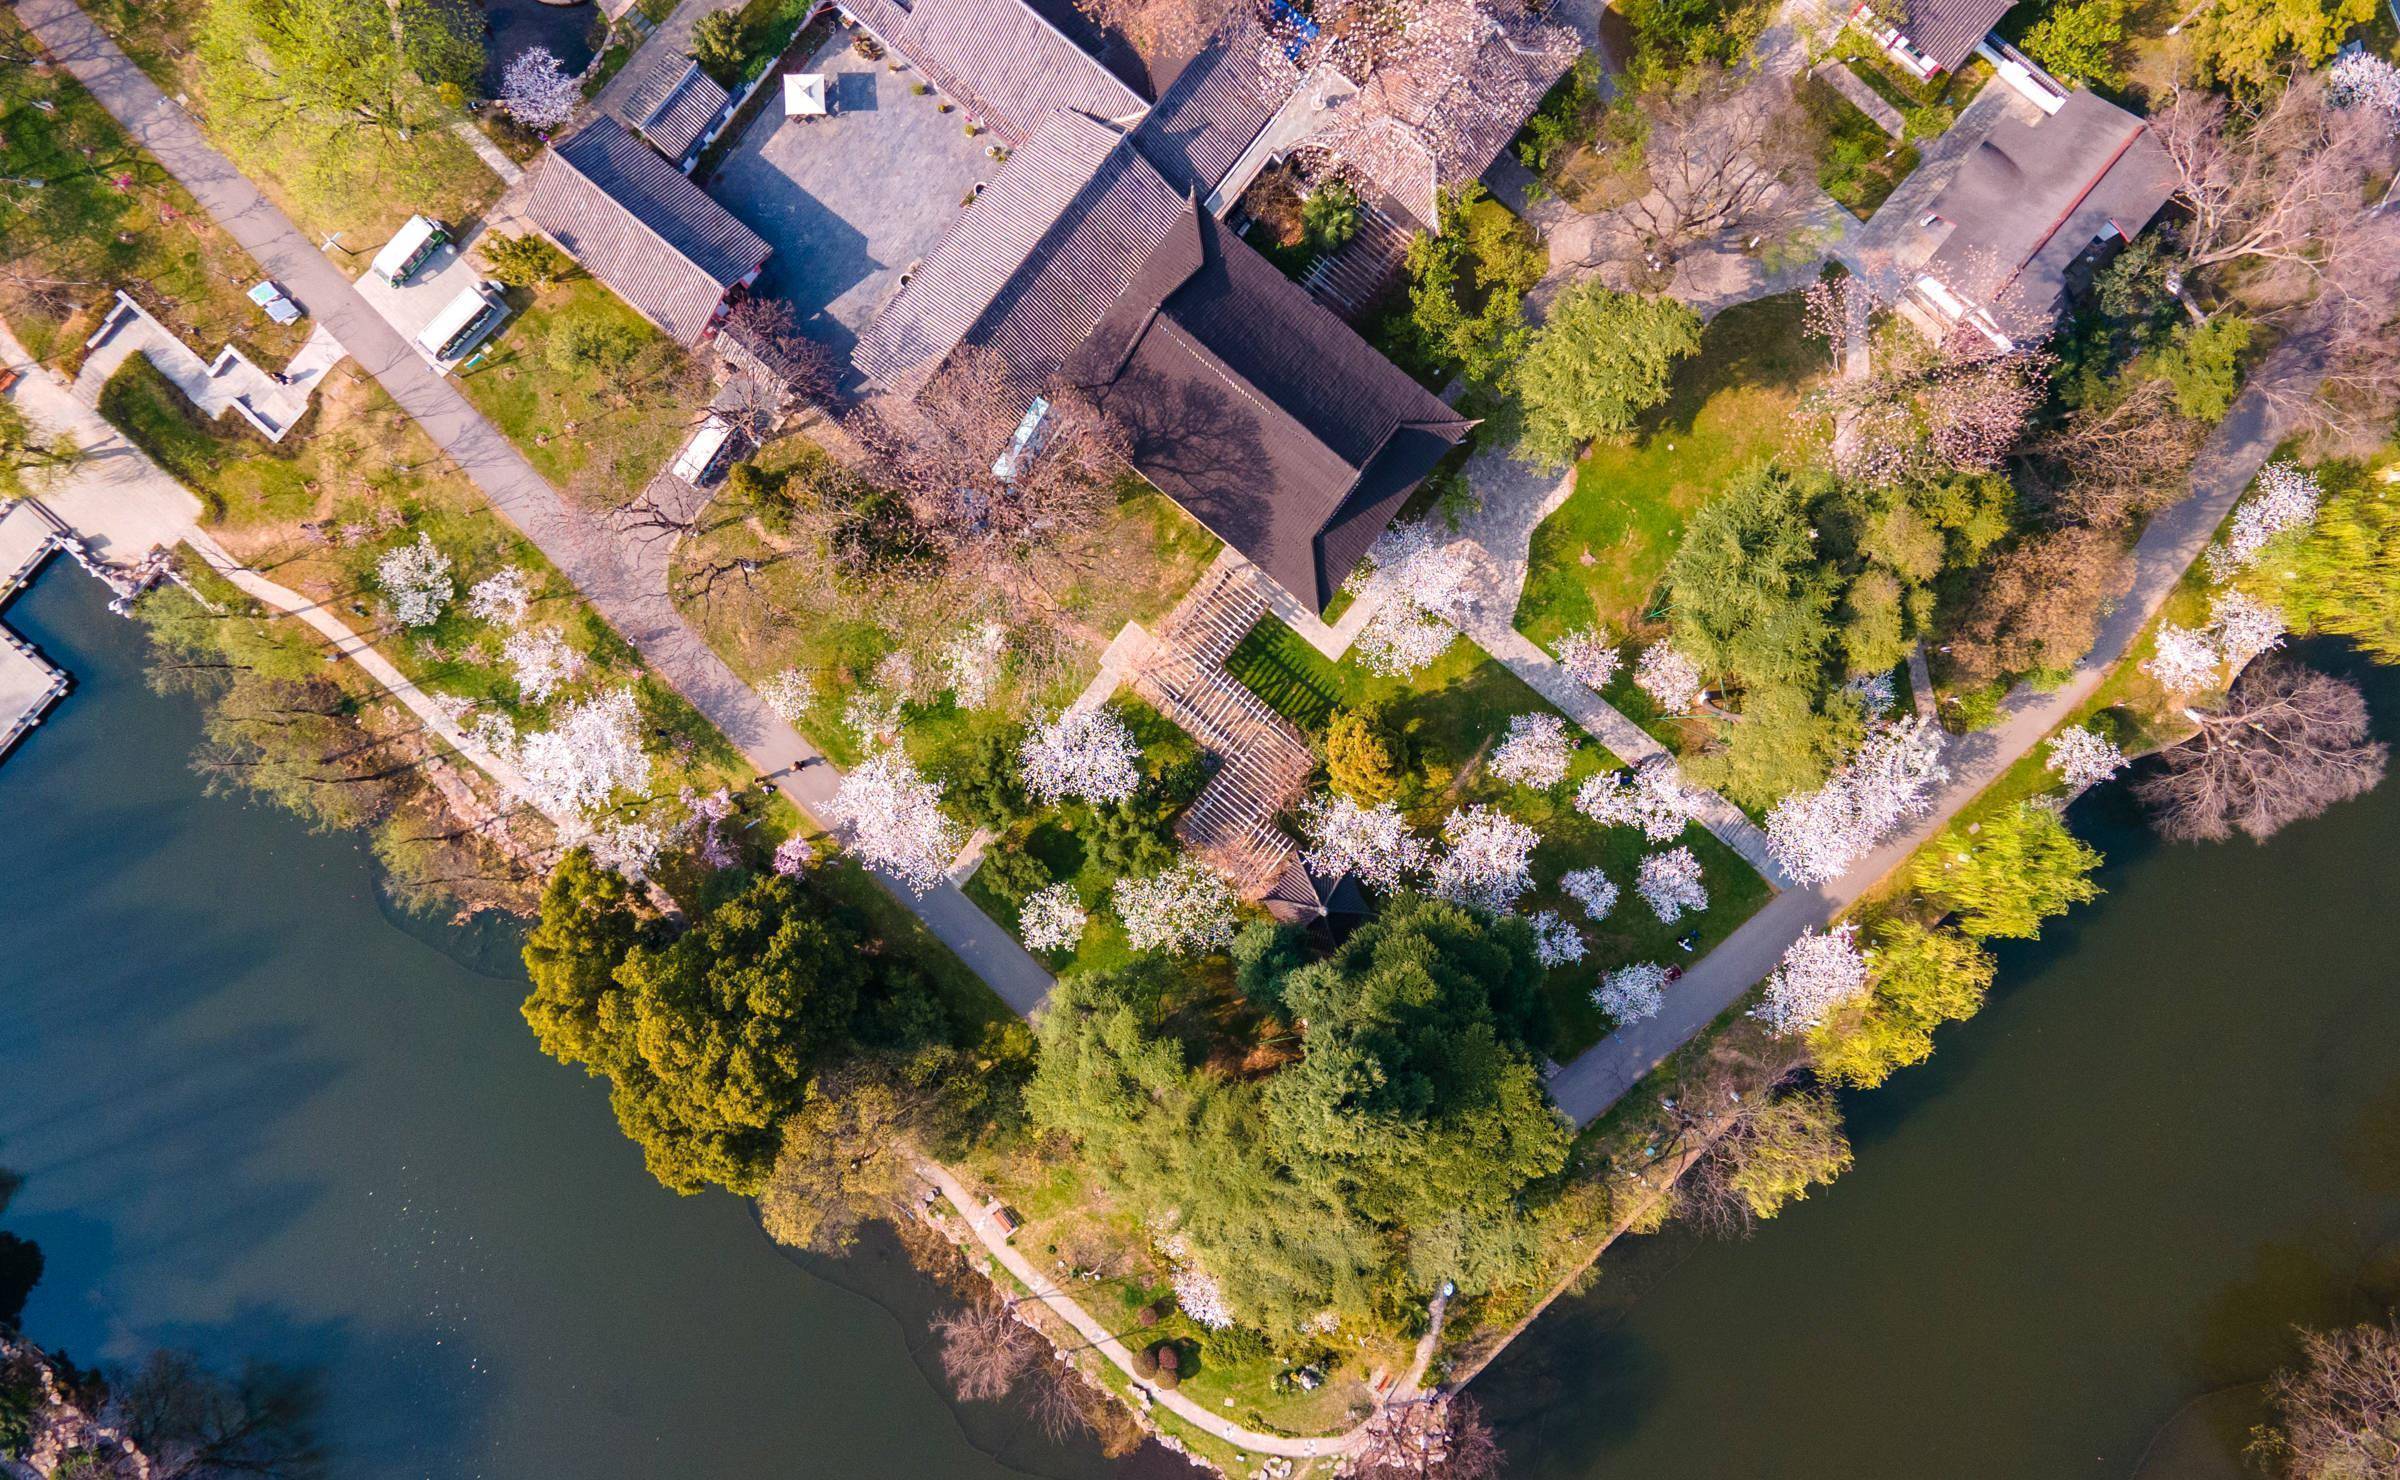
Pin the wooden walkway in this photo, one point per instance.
(1263, 764)
(29, 535)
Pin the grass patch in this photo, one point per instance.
(1446, 718)
(1598, 558)
(1928, 106)
(600, 431)
(106, 215)
(1858, 163)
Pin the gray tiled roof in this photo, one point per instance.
(635, 223)
(674, 104)
(1216, 105)
(2032, 196)
(1005, 63)
(1945, 31)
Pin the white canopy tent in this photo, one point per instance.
(804, 95)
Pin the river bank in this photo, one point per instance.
(259, 1116)
(2076, 1239)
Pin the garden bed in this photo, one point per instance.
(1443, 722)
(1858, 164)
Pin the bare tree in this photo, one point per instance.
(2107, 465)
(2290, 743)
(195, 1425)
(1770, 1150)
(1440, 1436)
(1725, 152)
(993, 472)
(985, 1349)
(2276, 182)
(762, 340)
(2338, 1413)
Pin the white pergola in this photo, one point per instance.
(804, 95)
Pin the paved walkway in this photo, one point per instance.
(591, 557)
(229, 383)
(1839, 77)
(2173, 540)
(509, 171)
(124, 506)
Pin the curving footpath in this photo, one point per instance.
(2174, 539)
(589, 554)
(1068, 1309)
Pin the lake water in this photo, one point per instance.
(513, 26)
(258, 1117)
(2077, 1237)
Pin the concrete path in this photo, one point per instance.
(588, 553)
(1839, 77)
(2173, 540)
(509, 171)
(229, 383)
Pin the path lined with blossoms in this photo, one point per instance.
(609, 575)
(2174, 539)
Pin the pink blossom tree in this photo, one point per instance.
(895, 820)
(793, 856)
(788, 692)
(628, 847)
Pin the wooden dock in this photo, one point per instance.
(29, 535)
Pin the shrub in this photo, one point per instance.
(1329, 217)
(1145, 1359)
(527, 261)
(988, 784)
(1012, 873)
(1146, 1317)
(1358, 758)
(1169, 1358)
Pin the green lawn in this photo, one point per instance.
(1055, 836)
(600, 431)
(1448, 716)
(1598, 558)
(1858, 163)
(87, 213)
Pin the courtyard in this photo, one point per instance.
(849, 201)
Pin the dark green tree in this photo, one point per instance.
(1600, 360)
(1749, 596)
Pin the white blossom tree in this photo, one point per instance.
(1671, 885)
(2285, 497)
(1535, 753)
(1086, 753)
(788, 692)
(2185, 661)
(873, 716)
(541, 660)
(1815, 836)
(1877, 695)
(416, 582)
(2244, 626)
(1052, 918)
(2084, 757)
(1593, 889)
(1818, 974)
(536, 90)
(1490, 860)
(793, 857)
(629, 847)
(1556, 941)
(2361, 79)
(1187, 907)
(1632, 993)
(1421, 586)
(895, 819)
(1670, 679)
(1652, 798)
(1196, 1290)
(501, 598)
(592, 751)
(706, 816)
(1374, 843)
(1589, 659)
(971, 663)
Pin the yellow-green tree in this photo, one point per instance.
(1924, 976)
(2018, 868)
(2248, 44)
(1358, 760)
